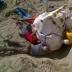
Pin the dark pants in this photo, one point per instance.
(37, 50)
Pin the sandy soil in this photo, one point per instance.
(60, 61)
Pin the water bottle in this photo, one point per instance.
(23, 13)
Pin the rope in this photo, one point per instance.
(48, 36)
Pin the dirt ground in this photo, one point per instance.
(60, 61)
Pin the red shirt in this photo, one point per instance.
(30, 21)
(31, 38)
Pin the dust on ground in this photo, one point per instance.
(56, 62)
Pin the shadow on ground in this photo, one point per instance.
(63, 52)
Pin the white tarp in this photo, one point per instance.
(49, 32)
